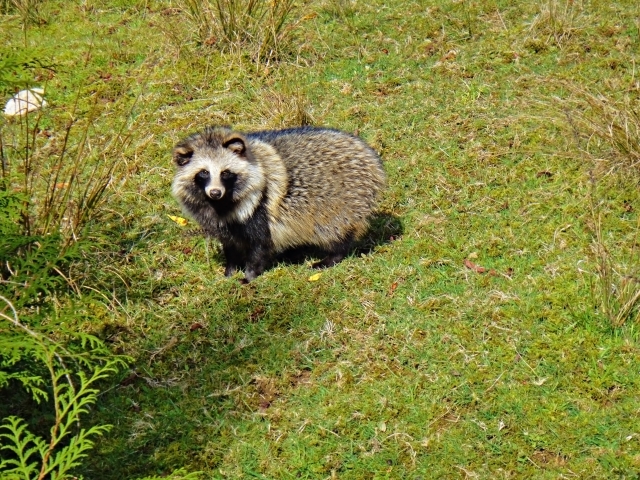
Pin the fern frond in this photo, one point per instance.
(73, 375)
(19, 439)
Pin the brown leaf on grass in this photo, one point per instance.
(196, 326)
(394, 285)
(450, 55)
(479, 269)
(472, 266)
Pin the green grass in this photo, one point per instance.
(400, 362)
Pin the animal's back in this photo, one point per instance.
(333, 182)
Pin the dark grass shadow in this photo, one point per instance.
(384, 228)
(248, 333)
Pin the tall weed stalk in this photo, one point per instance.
(56, 168)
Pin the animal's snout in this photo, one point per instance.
(215, 194)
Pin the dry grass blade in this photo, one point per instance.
(600, 121)
(557, 21)
(281, 109)
(617, 287)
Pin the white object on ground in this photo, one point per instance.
(25, 101)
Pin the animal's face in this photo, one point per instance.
(215, 167)
(215, 187)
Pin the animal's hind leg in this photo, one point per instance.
(258, 259)
(336, 253)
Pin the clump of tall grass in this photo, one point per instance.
(281, 109)
(262, 27)
(607, 132)
(340, 8)
(28, 11)
(617, 286)
(603, 123)
(557, 21)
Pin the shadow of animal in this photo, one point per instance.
(384, 228)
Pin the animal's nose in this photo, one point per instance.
(215, 194)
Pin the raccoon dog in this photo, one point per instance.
(266, 192)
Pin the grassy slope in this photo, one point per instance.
(402, 362)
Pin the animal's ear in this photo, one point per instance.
(182, 155)
(236, 145)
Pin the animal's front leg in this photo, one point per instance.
(234, 258)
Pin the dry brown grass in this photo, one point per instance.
(281, 110)
(607, 127)
(557, 21)
(607, 133)
(263, 28)
(617, 286)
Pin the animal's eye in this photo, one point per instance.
(203, 174)
(227, 175)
